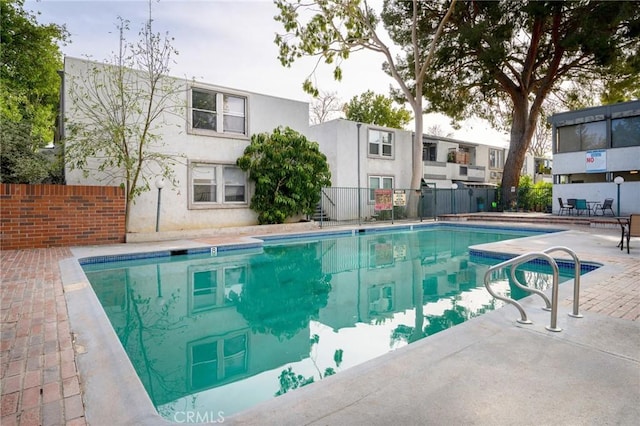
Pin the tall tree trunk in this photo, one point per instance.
(522, 128)
(417, 164)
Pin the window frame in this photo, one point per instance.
(223, 285)
(380, 144)
(220, 186)
(616, 139)
(221, 113)
(584, 137)
(223, 362)
(381, 179)
(499, 152)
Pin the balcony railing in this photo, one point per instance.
(454, 171)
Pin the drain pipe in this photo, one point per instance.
(358, 154)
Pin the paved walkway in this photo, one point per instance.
(40, 383)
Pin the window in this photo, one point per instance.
(204, 290)
(582, 137)
(381, 299)
(380, 143)
(218, 112)
(203, 110)
(380, 254)
(234, 280)
(211, 288)
(378, 182)
(234, 184)
(204, 183)
(496, 158)
(204, 365)
(206, 191)
(593, 135)
(625, 132)
(429, 152)
(213, 361)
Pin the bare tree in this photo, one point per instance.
(540, 146)
(437, 130)
(326, 106)
(116, 113)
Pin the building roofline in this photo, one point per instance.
(597, 112)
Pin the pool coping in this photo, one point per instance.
(105, 368)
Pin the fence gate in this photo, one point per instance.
(428, 206)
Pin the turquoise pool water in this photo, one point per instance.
(211, 335)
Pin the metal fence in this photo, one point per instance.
(349, 206)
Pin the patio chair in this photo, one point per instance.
(564, 207)
(602, 207)
(582, 206)
(630, 228)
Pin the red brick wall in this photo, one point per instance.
(36, 216)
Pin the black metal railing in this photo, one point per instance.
(348, 206)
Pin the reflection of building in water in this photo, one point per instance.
(199, 324)
(374, 277)
(179, 323)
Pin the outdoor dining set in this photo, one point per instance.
(584, 207)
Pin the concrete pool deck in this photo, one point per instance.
(56, 368)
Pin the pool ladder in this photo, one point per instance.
(549, 305)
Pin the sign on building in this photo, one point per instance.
(596, 161)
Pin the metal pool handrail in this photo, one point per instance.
(514, 267)
(554, 290)
(576, 277)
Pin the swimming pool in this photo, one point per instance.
(218, 334)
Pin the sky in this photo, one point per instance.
(228, 43)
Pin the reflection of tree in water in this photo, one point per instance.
(285, 290)
(289, 380)
(148, 322)
(457, 314)
(536, 280)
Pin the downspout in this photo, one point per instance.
(61, 132)
(358, 154)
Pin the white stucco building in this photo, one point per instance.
(592, 148)
(207, 127)
(205, 133)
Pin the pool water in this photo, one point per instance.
(215, 335)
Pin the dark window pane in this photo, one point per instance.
(204, 193)
(568, 139)
(233, 193)
(204, 282)
(625, 132)
(594, 135)
(204, 352)
(203, 100)
(204, 120)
